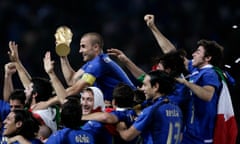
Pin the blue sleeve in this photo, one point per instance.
(128, 116)
(4, 110)
(118, 114)
(93, 127)
(54, 138)
(211, 78)
(144, 119)
(94, 67)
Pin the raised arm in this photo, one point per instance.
(165, 45)
(68, 72)
(134, 69)
(61, 92)
(22, 72)
(49, 69)
(10, 69)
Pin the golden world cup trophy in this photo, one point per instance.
(63, 38)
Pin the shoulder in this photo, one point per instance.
(92, 125)
(210, 74)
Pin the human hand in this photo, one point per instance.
(48, 63)
(10, 68)
(13, 53)
(149, 19)
(118, 53)
(181, 79)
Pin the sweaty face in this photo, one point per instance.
(147, 88)
(15, 104)
(10, 126)
(198, 57)
(87, 102)
(87, 49)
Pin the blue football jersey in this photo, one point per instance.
(70, 136)
(201, 114)
(107, 74)
(160, 123)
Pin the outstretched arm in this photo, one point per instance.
(165, 45)
(10, 69)
(127, 134)
(103, 117)
(22, 72)
(134, 69)
(203, 92)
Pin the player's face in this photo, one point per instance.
(87, 102)
(147, 88)
(10, 126)
(87, 49)
(15, 104)
(198, 57)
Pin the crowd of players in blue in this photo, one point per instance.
(176, 101)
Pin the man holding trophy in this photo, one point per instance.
(99, 70)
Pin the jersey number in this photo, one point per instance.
(176, 136)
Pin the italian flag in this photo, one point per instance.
(226, 130)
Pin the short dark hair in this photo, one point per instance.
(43, 87)
(71, 114)
(139, 97)
(174, 60)
(96, 38)
(123, 95)
(165, 81)
(18, 94)
(213, 49)
(74, 97)
(30, 125)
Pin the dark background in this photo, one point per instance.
(32, 24)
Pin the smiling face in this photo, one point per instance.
(87, 102)
(10, 126)
(87, 49)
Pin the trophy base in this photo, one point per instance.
(62, 49)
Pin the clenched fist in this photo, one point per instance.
(149, 19)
